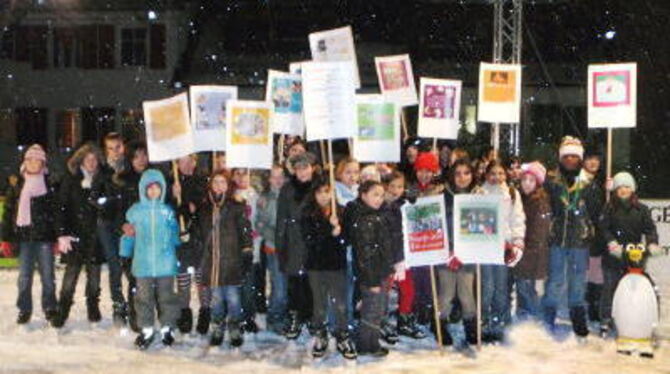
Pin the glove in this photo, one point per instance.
(184, 237)
(655, 249)
(6, 249)
(513, 256)
(400, 271)
(615, 249)
(64, 244)
(454, 263)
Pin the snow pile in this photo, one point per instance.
(82, 348)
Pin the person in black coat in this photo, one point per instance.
(29, 224)
(326, 267)
(76, 224)
(625, 220)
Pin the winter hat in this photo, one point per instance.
(571, 146)
(302, 160)
(371, 172)
(624, 179)
(536, 169)
(34, 152)
(427, 160)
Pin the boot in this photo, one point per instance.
(407, 326)
(63, 314)
(425, 315)
(320, 342)
(217, 334)
(50, 315)
(167, 336)
(119, 314)
(93, 311)
(204, 319)
(185, 321)
(235, 334)
(346, 346)
(444, 329)
(294, 326)
(23, 318)
(470, 327)
(389, 334)
(145, 338)
(579, 324)
(250, 326)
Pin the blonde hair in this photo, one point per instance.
(74, 162)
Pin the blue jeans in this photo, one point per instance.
(226, 301)
(495, 297)
(42, 254)
(110, 245)
(528, 306)
(277, 307)
(567, 268)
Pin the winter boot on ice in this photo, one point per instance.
(51, 315)
(93, 311)
(235, 334)
(185, 321)
(389, 333)
(345, 345)
(167, 336)
(145, 338)
(23, 318)
(119, 314)
(294, 326)
(605, 329)
(218, 332)
(579, 324)
(425, 315)
(250, 326)
(204, 319)
(63, 314)
(470, 327)
(444, 330)
(320, 342)
(407, 326)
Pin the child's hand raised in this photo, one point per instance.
(337, 229)
(128, 230)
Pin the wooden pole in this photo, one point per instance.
(436, 309)
(403, 122)
(479, 307)
(609, 161)
(280, 154)
(435, 145)
(175, 172)
(214, 155)
(350, 143)
(331, 173)
(324, 159)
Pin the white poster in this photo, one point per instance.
(284, 91)
(328, 100)
(612, 95)
(336, 45)
(439, 109)
(169, 132)
(377, 129)
(477, 236)
(657, 266)
(296, 67)
(248, 134)
(208, 116)
(396, 79)
(499, 93)
(425, 232)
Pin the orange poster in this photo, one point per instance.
(499, 86)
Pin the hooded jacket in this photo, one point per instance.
(153, 249)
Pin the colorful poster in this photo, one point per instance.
(169, 133)
(328, 100)
(248, 134)
(425, 232)
(336, 45)
(477, 236)
(439, 108)
(499, 93)
(612, 95)
(377, 130)
(396, 79)
(208, 116)
(284, 91)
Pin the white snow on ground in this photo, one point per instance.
(82, 348)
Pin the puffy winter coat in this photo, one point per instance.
(289, 241)
(513, 224)
(153, 249)
(234, 234)
(535, 260)
(393, 216)
(324, 251)
(42, 212)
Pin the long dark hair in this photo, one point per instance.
(451, 176)
(229, 195)
(311, 206)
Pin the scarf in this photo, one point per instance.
(217, 204)
(87, 180)
(34, 186)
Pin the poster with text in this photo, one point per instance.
(328, 100)
(168, 127)
(284, 91)
(336, 45)
(208, 116)
(612, 95)
(248, 134)
(425, 232)
(439, 108)
(499, 93)
(396, 79)
(377, 129)
(477, 236)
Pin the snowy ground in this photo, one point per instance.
(82, 348)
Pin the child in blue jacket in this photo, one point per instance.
(151, 237)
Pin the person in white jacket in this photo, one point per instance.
(495, 287)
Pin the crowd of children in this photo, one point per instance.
(306, 253)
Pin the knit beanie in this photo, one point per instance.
(624, 179)
(571, 146)
(536, 169)
(427, 160)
